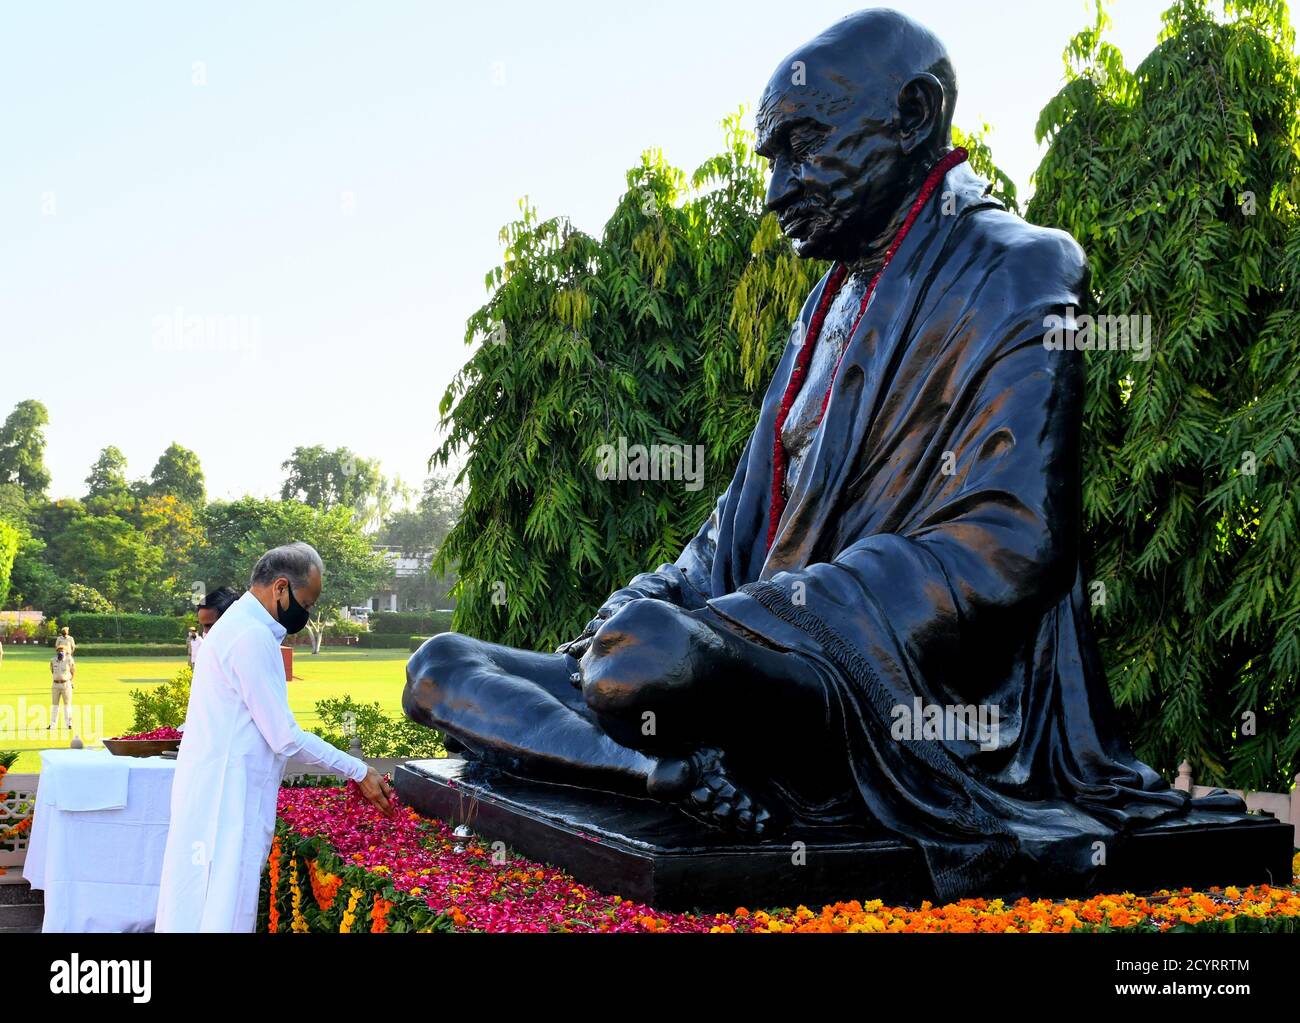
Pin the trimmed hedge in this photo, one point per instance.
(124, 628)
(380, 641)
(410, 623)
(418, 641)
(131, 650)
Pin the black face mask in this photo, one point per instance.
(294, 617)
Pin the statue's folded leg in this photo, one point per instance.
(679, 684)
(518, 710)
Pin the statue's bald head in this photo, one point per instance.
(851, 122)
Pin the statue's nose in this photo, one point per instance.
(785, 185)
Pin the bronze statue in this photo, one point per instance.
(900, 538)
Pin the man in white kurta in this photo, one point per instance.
(239, 734)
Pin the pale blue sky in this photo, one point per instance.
(341, 177)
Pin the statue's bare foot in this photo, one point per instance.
(701, 785)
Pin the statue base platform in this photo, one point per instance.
(652, 852)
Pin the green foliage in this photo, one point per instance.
(162, 706)
(67, 598)
(340, 627)
(384, 641)
(425, 527)
(240, 532)
(409, 622)
(112, 555)
(380, 735)
(178, 474)
(1180, 180)
(9, 538)
(981, 162)
(328, 479)
(421, 531)
(151, 545)
(124, 628)
(107, 477)
(22, 448)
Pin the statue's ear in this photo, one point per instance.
(920, 112)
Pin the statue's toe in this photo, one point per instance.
(671, 778)
(701, 785)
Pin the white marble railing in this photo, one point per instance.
(17, 797)
(1284, 806)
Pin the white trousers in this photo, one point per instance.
(61, 692)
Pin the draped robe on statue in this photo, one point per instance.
(929, 549)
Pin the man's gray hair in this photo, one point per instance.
(294, 561)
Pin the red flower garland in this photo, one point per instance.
(780, 458)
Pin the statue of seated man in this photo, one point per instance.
(883, 621)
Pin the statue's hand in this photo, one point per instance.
(577, 646)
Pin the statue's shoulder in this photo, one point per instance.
(1041, 261)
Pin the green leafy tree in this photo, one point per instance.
(107, 479)
(425, 527)
(22, 448)
(340, 479)
(9, 537)
(240, 532)
(178, 474)
(1180, 178)
(175, 527)
(65, 597)
(32, 581)
(110, 555)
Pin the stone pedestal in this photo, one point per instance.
(653, 853)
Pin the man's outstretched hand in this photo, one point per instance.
(378, 791)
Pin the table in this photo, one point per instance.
(97, 840)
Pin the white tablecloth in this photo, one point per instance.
(96, 845)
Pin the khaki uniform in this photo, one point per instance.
(61, 672)
(65, 643)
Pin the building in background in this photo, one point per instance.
(411, 585)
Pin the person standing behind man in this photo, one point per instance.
(65, 642)
(213, 606)
(63, 671)
(239, 735)
(210, 609)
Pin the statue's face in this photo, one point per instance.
(838, 170)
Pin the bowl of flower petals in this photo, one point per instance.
(145, 744)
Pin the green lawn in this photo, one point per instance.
(104, 683)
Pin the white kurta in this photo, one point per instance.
(239, 734)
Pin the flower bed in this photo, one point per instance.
(338, 865)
